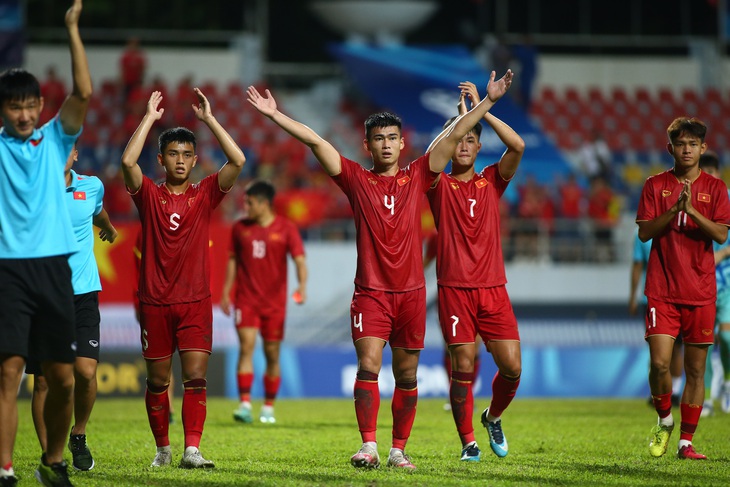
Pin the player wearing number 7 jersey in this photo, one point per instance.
(388, 305)
(472, 298)
(683, 210)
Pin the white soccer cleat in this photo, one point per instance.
(163, 457)
(267, 415)
(366, 457)
(193, 459)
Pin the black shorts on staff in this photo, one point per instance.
(37, 309)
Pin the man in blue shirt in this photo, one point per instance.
(84, 196)
(36, 238)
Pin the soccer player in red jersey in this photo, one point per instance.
(174, 286)
(683, 210)
(472, 298)
(388, 305)
(257, 265)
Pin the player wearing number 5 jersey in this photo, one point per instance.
(472, 298)
(683, 210)
(388, 305)
(174, 286)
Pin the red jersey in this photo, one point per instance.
(387, 213)
(469, 250)
(175, 266)
(681, 266)
(260, 253)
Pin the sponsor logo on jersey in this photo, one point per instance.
(372, 181)
(80, 195)
(275, 237)
(190, 202)
(454, 185)
(94, 343)
(704, 197)
(403, 180)
(666, 192)
(163, 200)
(480, 183)
(707, 331)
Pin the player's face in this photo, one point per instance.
(255, 207)
(178, 159)
(384, 144)
(20, 117)
(686, 150)
(466, 151)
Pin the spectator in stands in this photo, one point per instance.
(132, 66)
(535, 212)
(603, 214)
(595, 158)
(568, 241)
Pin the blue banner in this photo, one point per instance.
(420, 85)
(12, 38)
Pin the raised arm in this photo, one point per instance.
(235, 159)
(511, 158)
(131, 170)
(325, 153)
(443, 149)
(73, 110)
(107, 232)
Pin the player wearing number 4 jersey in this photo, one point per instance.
(388, 305)
(174, 286)
(683, 210)
(472, 298)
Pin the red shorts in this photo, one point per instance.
(398, 318)
(270, 323)
(184, 326)
(696, 324)
(466, 312)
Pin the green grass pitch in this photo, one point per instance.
(552, 442)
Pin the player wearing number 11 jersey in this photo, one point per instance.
(472, 298)
(389, 300)
(683, 210)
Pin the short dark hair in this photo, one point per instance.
(177, 134)
(477, 129)
(382, 119)
(685, 125)
(710, 159)
(259, 188)
(18, 84)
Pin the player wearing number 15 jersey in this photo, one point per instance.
(174, 287)
(683, 210)
(389, 300)
(472, 298)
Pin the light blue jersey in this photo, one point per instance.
(84, 198)
(641, 254)
(34, 221)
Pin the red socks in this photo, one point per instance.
(462, 404)
(244, 386)
(271, 389)
(194, 409)
(503, 391)
(157, 403)
(690, 417)
(367, 404)
(403, 408)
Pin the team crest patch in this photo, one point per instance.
(480, 183)
(403, 180)
(275, 237)
(704, 197)
(665, 193)
(80, 195)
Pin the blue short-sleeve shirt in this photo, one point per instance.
(84, 198)
(34, 221)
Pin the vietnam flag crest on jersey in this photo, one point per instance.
(80, 195)
(480, 183)
(704, 197)
(403, 180)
